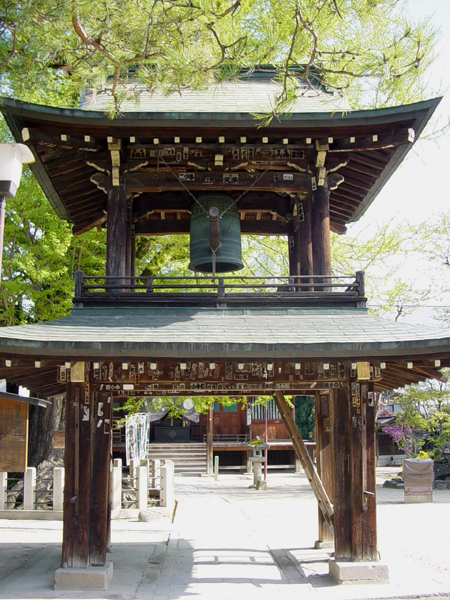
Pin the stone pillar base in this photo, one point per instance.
(358, 572)
(418, 498)
(319, 544)
(97, 578)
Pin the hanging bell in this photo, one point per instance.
(215, 241)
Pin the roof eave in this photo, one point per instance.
(15, 111)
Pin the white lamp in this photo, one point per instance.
(12, 156)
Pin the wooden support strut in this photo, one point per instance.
(324, 452)
(299, 446)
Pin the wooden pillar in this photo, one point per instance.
(364, 523)
(87, 463)
(116, 238)
(342, 475)
(209, 440)
(354, 481)
(305, 236)
(101, 469)
(133, 252)
(130, 242)
(324, 453)
(294, 250)
(77, 489)
(320, 228)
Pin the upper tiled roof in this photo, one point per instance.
(242, 96)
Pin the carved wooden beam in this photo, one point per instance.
(146, 204)
(225, 181)
(69, 142)
(166, 227)
(372, 142)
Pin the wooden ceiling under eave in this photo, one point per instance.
(43, 381)
(164, 159)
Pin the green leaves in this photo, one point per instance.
(40, 257)
(366, 49)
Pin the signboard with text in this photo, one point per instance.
(13, 436)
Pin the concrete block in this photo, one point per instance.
(116, 485)
(167, 494)
(358, 572)
(3, 489)
(96, 578)
(141, 487)
(29, 488)
(58, 488)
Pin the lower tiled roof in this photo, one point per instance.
(171, 332)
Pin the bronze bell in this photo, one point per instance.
(215, 240)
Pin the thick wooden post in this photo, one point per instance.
(324, 453)
(354, 481)
(133, 252)
(101, 469)
(364, 524)
(342, 476)
(76, 518)
(294, 250)
(87, 463)
(130, 242)
(116, 238)
(305, 235)
(209, 440)
(320, 226)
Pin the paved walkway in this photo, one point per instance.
(231, 542)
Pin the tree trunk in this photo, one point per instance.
(42, 425)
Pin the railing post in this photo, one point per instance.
(360, 283)
(29, 488)
(116, 485)
(167, 495)
(79, 275)
(3, 490)
(142, 487)
(58, 488)
(221, 289)
(134, 464)
(216, 468)
(155, 467)
(149, 288)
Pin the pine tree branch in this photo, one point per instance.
(89, 41)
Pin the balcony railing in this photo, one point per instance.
(316, 290)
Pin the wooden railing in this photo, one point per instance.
(229, 438)
(315, 290)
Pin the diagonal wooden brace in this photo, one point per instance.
(297, 441)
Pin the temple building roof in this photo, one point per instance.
(180, 136)
(284, 332)
(255, 94)
(215, 334)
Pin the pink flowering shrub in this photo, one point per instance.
(402, 435)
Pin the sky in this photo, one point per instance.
(418, 190)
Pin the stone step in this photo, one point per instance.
(187, 457)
